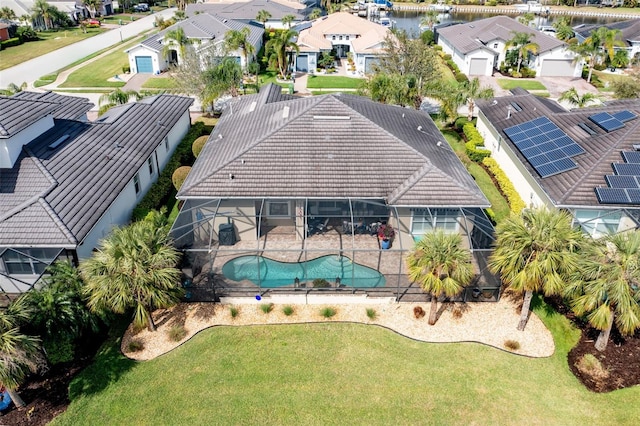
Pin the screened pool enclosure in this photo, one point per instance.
(246, 247)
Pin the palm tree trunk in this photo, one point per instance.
(434, 309)
(519, 63)
(19, 402)
(524, 314)
(590, 72)
(603, 337)
(152, 325)
(470, 107)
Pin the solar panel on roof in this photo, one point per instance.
(608, 122)
(624, 116)
(621, 181)
(612, 196)
(545, 146)
(634, 195)
(631, 156)
(626, 169)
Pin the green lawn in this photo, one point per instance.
(321, 374)
(509, 84)
(159, 83)
(333, 82)
(499, 205)
(50, 41)
(608, 78)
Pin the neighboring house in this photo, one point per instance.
(4, 31)
(247, 11)
(65, 182)
(206, 31)
(478, 48)
(293, 178)
(75, 9)
(341, 33)
(566, 160)
(629, 35)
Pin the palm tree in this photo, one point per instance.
(471, 90)
(588, 52)
(240, 40)
(564, 31)
(607, 285)
(287, 20)
(609, 40)
(175, 37)
(263, 16)
(573, 97)
(13, 88)
(19, 353)
(430, 19)
(42, 9)
(522, 42)
(7, 13)
(117, 97)
(441, 266)
(280, 46)
(92, 6)
(534, 252)
(315, 13)
(526, 18)
(135, 268)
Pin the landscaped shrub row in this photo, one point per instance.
(513, 198)
(474, 140)
(160, 191)
(10, 42)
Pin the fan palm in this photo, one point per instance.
(574, 98)
(609, 40)
(280, 46)
(117, 97)
(263, 16)
(287, 20)
(470, 91)
(235, 39)
(441, 266)
(535, 252)
(135, 268)
(42, 10)
(607, 285)
(429, 19)
(315, 13)
(564, 31)
(522, 42)
(92, 6)
(173, 38)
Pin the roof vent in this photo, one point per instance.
(419, 128)
(231, 176)
(285, 112)
(58, 142)
(252, 107)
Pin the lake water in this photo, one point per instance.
(410, 21)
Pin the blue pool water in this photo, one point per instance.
(278, 274)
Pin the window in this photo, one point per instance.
(151, 167)
(28, 261)
(598, 223)
(495, 45)
(340, 37)
(333, 37)
(166, 143)
(278, 209)
(347, 37)
(427, 220)
(136, 183)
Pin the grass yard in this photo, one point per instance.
(159, 83)
(269, 76)
(608, 78)
(508, 84)
(324, 374)
(50, 41)
(333, 82)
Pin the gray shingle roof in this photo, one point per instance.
(71, 107)
(574, 187)
(331, 146)
(248, 10)
(56, 196)
(630, 30)
(205, 26)
(475, 35)
(17, 114)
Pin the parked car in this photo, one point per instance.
(141, 7)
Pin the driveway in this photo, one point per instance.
(46, 64)
(555, 85)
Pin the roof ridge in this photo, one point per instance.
(409, 182)
(56, 219)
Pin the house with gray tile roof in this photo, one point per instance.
(247, 11)
(65, 182)
(629, 35)
(595, 185)
(206, 32)
(319, 175)
(478, 47)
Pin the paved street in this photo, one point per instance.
(51, 62)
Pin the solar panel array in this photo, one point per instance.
(547, 148)
(624, 186)
(610, 122)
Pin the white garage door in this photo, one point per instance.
(557, 68)
(478, 66)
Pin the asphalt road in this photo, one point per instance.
(35, 68)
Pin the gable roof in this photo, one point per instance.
(71, 107)
(56, 196)
(330, 146)
(575, 187)
(475, 35)
(366, 35)
(18, 114)
(248, 10)
(205, 26)
(630, 30)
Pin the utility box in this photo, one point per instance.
(226, 234)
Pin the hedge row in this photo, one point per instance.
(513, 198)
(10, 42)
(474, 140)
(161, 190)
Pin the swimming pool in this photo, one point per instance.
(278, 274)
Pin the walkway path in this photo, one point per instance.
(51, 62)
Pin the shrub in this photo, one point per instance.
(474, 140)
(371, 313)
(288, 310)
(527, 72)
(427, 37)
(461, 78)
(179, 176)
(591, 366)
(491, 215)
(328, 312)
(11, 42)
(26, 34)
(321, 283)
(234, 311)
(161, 190)
(198, 144)
(446, 57)
(58, 350)
(437, 47)
(135, 345)
(512, 345)
(177, 333)
(418, 312)
(266, 307)
(126, 69)
(492, 3)
(506, 186)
